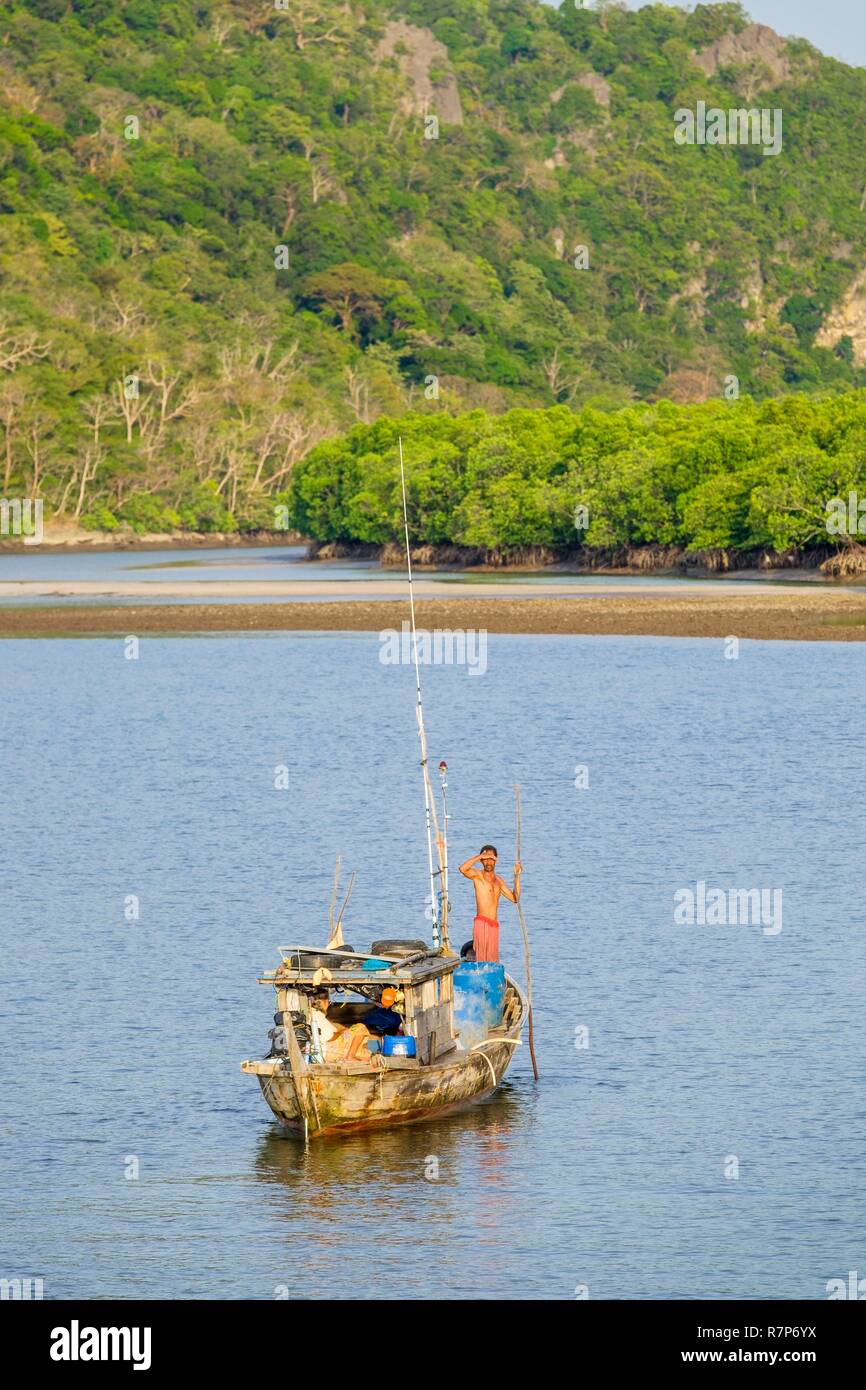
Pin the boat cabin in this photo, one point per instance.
(415, 987)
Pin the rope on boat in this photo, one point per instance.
(490, 1042)
(490, 1065)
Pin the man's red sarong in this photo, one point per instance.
(485, 938)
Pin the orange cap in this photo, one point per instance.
(388, 996)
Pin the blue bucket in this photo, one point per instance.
(479, 999)
(395, 1046)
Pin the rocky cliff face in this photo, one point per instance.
(756, 45)
(847, 319)
(423, 61)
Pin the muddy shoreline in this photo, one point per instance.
(822, 566)
(834, 615)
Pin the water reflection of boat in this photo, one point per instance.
(475, 1144)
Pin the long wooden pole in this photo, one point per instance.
(299, 1076)
(526, 962)
(333, 902)
(440, 939)
(343, 908)
(443, 854)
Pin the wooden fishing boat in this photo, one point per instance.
(314, 1098)
(457, 1058)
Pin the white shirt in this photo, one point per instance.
(323, 1029)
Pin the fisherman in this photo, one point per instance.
(382, 1019)
(488, 887)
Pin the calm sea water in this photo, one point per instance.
(122, 1038)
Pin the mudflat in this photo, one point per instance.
(834, 615)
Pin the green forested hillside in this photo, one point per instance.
(226, 234)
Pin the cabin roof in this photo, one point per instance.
(408, 972)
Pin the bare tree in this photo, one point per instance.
(18, 346)
(552, 368)
(92, 459)
(127, 316)
(300, 434)
(755, 76)
(99, 410)
(12, 400)
(302, 18)
(287, 198)
(320, 181)
(37, 429)
(267, 444)
(221, 27)
(561, 386)
(240, 363)
(165, 387)
(201, 441)
(131, 407)
(358, 394)
(70, 483)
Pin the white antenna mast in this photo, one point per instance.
(429, 808)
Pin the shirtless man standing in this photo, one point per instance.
(488, 887)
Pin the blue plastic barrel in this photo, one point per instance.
(479, 999)
(395, 1045)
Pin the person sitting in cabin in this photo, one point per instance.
(488, 888)
(382, 1020)
(338, 1043)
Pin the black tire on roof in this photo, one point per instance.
(397, 946)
